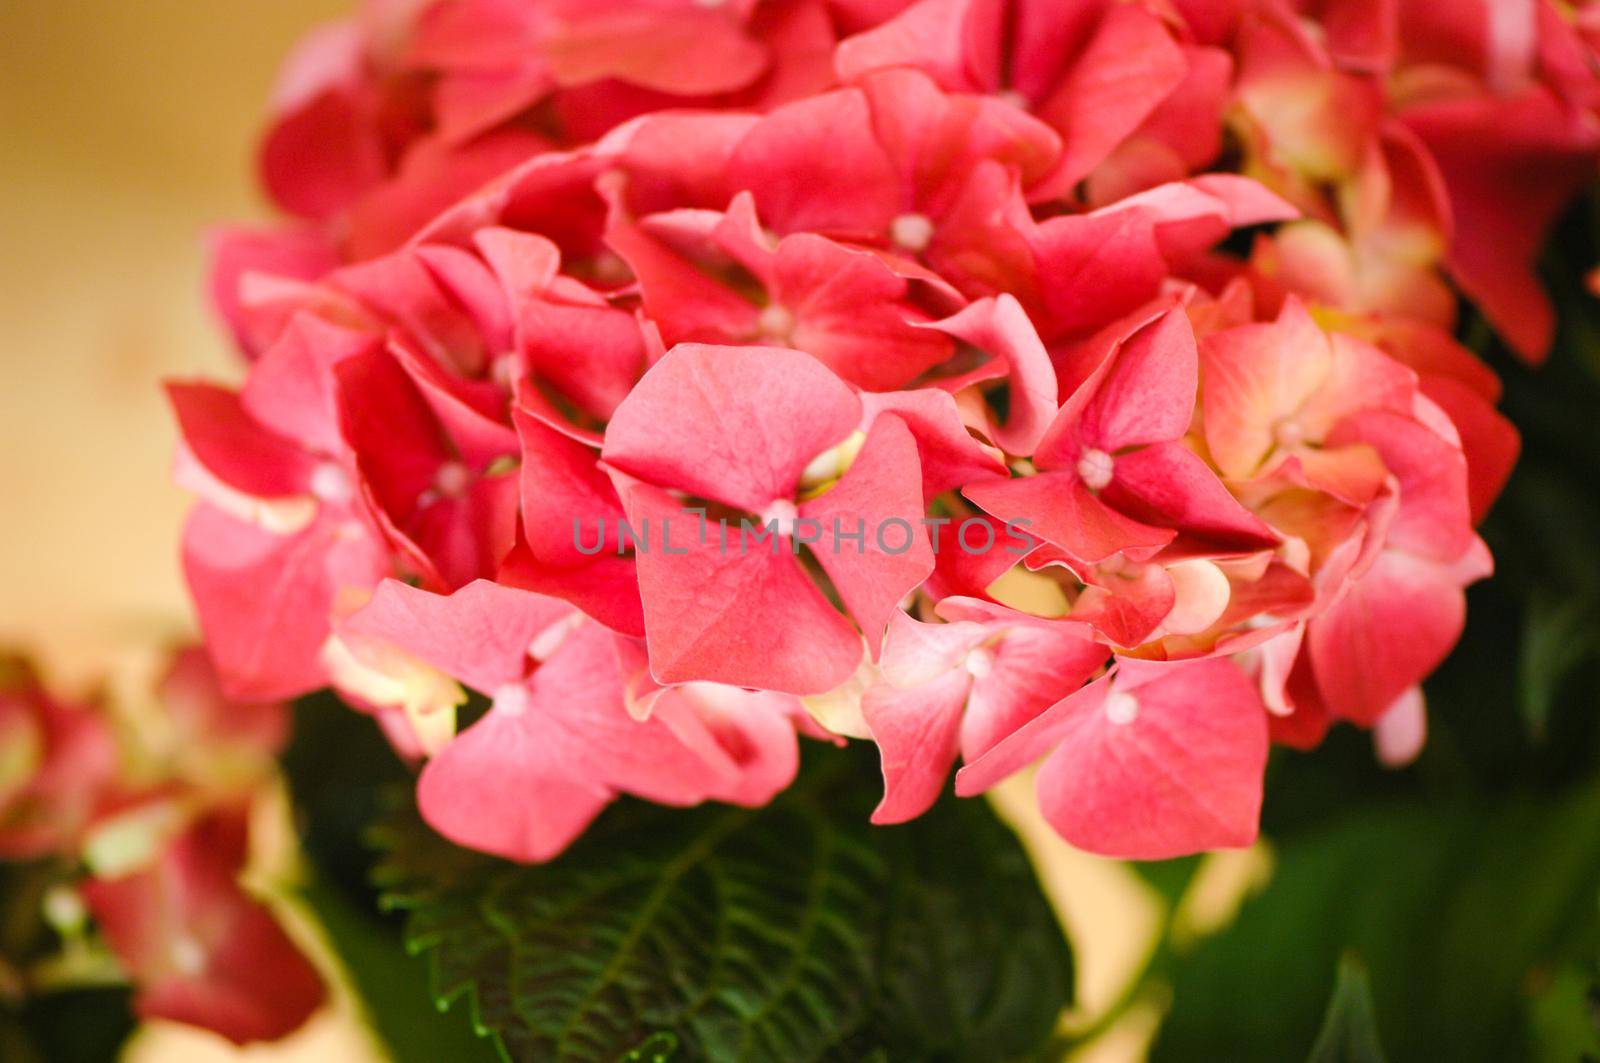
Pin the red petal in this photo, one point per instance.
(482, 634)
(1182, 776)
(916, 730)
(881, 497)
(734, 424)
(740, 614)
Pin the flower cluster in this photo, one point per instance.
(137, 816)
(948, 302)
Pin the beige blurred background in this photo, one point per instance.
(126, 128)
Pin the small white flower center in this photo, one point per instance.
(1121, 707)
(980, 662)
(452, 479)
(1289, 433)
(783, 513)
(912, 232)
(775, 322)
(1094, 469)
(329, 483)
(64, 910)
(1013, 97)
(187, 955)
(511, 699)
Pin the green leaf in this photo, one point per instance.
(394, 992)
(795, 932)
(87, 1025)
(1455, 908)
(1558, 635)
(1349, 1030)
(1565, 1017)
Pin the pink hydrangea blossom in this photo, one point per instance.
(576, 297)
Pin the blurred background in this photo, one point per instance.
(125, 130)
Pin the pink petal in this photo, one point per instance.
(881, 496)
(525, 263)
(1392, 627)
(252, 982)
(434, 175)
(1489, 442)
(1529, 149)
(741, 615)
(938, 140)
(947, 453)
(744, 736)
(1057, 507)
(467, 537)
(1035, 665)
(850, 311)
(817, 166)
(931, 35)
(1147, 394)
(1094, 268)
(1256, 375)
(1434, 519)
(591, 354)
(1032, 740)
(734, 424)
(481, 634)
(1128, 606)
(291, 386)
(264, 600)
(402, 291)
(1402, 730)
(302, 253)
(1362, 33)
(915, 652)
(605, 588)
(1182, 775)
(1001, 328)
(472, 417)
(916, 730)
(323, 155)
(686, 302)
(1361, 377)
(1169, 485)
(686, 50)
(1127, 68)
(396, 437)
(501, 787)
(580, 693)
(473, 286)
(569, 506)
(234, 447)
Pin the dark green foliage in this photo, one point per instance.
(794, 932)
(1349, 1030)
(1452, 912)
